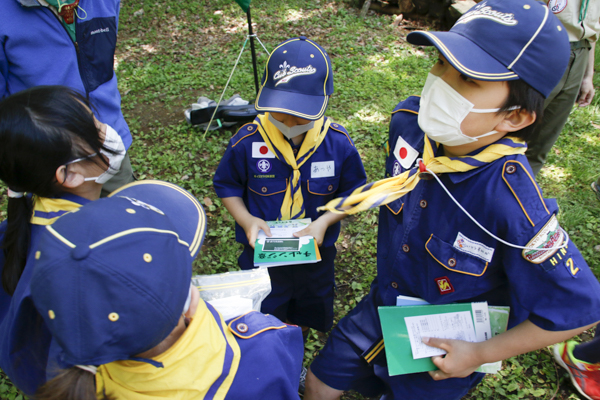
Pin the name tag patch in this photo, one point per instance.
(405, 154)
(260, 150)
(322, 169)
(545, 242)
(473, 248)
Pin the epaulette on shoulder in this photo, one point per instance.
(410, 105)
(339, 128)
(526, 192)
(244, 132)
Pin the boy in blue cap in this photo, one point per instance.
(117, 298)
(289, 161)
(463, 219)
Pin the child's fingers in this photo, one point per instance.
(263, 225)
(435, 342)
(303, 232)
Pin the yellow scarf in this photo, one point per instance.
(47, 210)
(194, 367)
(293, 202)
(385, 191)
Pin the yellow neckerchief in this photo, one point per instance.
(385, 191)
(47, 210)
(293, 203)
(202, 362)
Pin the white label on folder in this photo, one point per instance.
(261, 150)
(473, 248)
(481, 317)
(455, 325)
(322, 169)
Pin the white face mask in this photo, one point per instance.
(294, 130)
(112, 141)
(443, 109)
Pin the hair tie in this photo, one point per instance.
(15, 195)
(89, 368)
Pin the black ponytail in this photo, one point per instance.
(16, 241)
(70, 384)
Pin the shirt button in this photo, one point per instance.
(334, 125)
(250, 128)
(452, 262)
(405, 248)
(394, 285)
(423, 203)
(511, 169)
(295, 151)
(241, 327)
(264, 189)
(330, 188)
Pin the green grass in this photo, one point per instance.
(169, 55)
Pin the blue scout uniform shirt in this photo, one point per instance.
(24, 338)
(37, 50)
(250, 171)
(427, 247)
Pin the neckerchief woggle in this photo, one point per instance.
(293, 202)
(385, 191)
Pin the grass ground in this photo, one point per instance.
(169, 54)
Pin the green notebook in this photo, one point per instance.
(282, 248)
(398, 350)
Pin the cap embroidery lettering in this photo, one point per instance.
(288, 72)
(483, 11)
(444, 285)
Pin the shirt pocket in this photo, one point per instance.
(454, 275)
(323, 186)
(452, 259)
(97, 39)
(265, 197)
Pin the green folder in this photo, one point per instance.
(397, 343)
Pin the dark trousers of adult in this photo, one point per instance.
(558, 106)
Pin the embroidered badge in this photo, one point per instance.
(260, 150)
(396, 170)
(140, 203)
(263, 166)
(322, 169)
(473, 248)
(557, 6)
(287, 72)
(404, 153)
(444, 285)
(482, 10)
(551, 235)
(571, 267)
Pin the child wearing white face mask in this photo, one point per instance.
(289, 161)
(49, 147)
(463, 220)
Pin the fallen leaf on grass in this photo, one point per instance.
(208, 202)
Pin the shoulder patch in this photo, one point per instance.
(244, 132)
(551, 235)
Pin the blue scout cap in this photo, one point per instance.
(112, 278)
(298, 80)
(501, 40)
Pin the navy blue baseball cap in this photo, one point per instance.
(111, 280)
(298, 80)
(501, 40)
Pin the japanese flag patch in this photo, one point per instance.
(261, 150)
(545, 242)
(405, 154)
